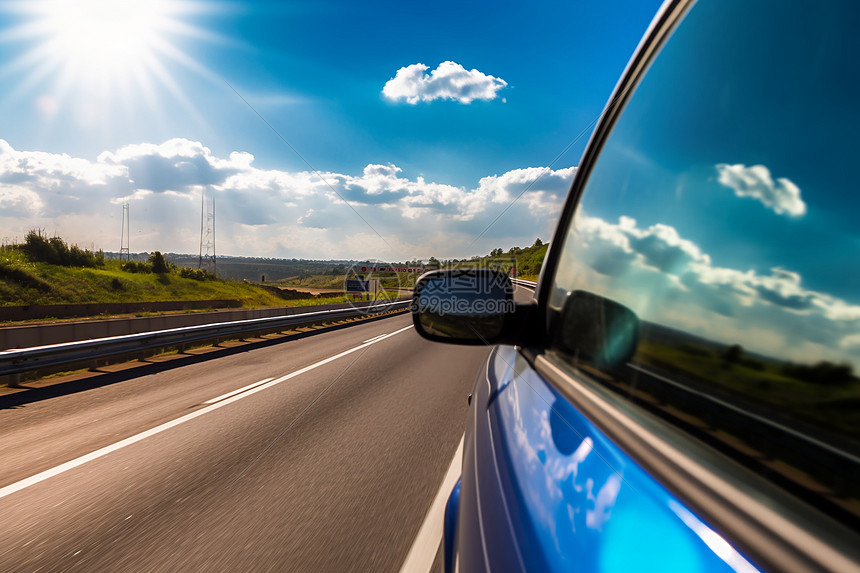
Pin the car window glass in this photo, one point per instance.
(722, 216)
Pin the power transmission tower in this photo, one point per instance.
(125, 235)
(206, 259)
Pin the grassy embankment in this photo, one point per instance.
(823, 393)
(76, 276)
(23, 282)
(526, 260)
(48, 271)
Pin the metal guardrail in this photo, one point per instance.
(21, 360)
(827, 462)
(527, 284)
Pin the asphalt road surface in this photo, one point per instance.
(329, 465)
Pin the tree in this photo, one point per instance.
(734, 353)
(823, 372)
(158, 262)
(538, 243)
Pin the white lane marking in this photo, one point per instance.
(423, 551)
(49, 473)
(239, 391)
(374, 338)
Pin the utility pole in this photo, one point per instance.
(202, 214)
(214, 260)
(206, 258)
(125, 234)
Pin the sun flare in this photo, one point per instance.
(105, 36)
(85, 55)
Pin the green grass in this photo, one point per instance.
(829, 406)
(337, 282)
(23, 283)
(313, 281)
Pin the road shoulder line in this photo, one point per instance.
(423, 551)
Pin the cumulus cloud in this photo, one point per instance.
(37, 183)
(537, 189)
(780, 195)
(267, 212)
(851, 341)
(449, 80)
(659, 247)
(175, 165)
(662, 248)
(41, 167)
(671, 280)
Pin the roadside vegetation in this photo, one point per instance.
(525, 261)
(823, 392)
(315, 281)
(47, 270)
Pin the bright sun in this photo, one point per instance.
(97, 53)
(105, 36)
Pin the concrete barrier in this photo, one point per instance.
(56, 333)
(37, 311)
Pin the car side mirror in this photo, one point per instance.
(596, 330)
(466, 306)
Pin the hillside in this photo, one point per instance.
(77, 276)
(48, 271)
(526, 261)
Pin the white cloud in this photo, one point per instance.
(659, 247)
(35, 183)
(177, 165)
(604, 501)
(542, 189)
(668, 279)
(782, 195)
(51, 168)
(449, 80)
(851, 341)
(268, 212)
(19, 200)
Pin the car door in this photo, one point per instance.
(689, 399)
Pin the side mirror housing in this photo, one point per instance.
(468, 306)
(596, 331)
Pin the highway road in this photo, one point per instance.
(329, 463)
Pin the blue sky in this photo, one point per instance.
(113, 102)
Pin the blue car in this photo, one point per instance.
(682, 391)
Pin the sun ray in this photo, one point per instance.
(100, 54)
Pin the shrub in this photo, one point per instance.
(195, 274)
(824, 373)
(733, 353)
(55, 251)
(694, 350)
(136, 267)
(159, 263)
